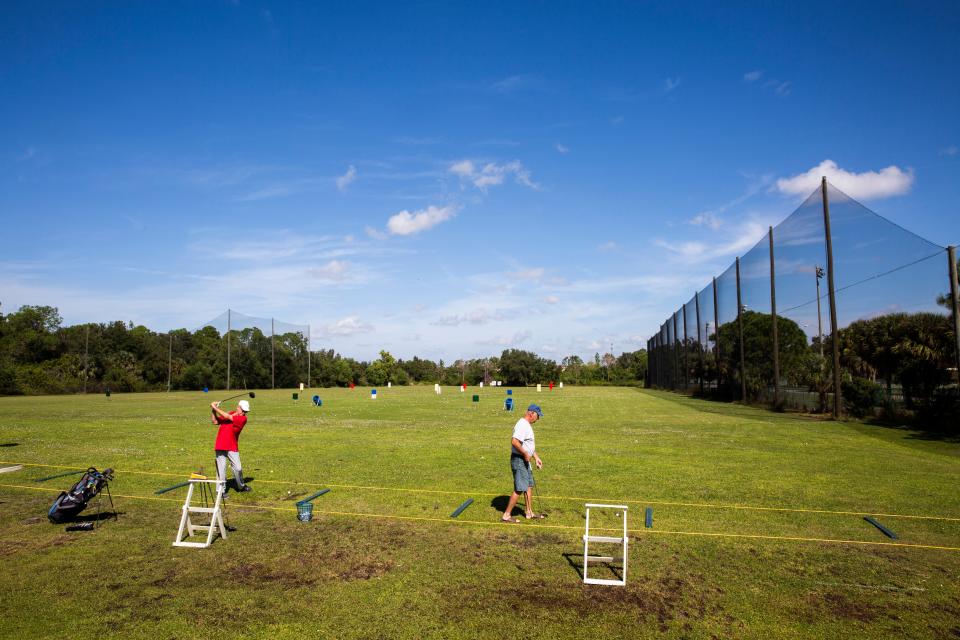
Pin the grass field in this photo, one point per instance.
(758, 525)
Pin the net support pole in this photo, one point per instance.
(954, 304)
(716, 332)
(696, 297)
(647, 372)
(773, 318)
(686, 351)
(86, 354)
(309, 386)
(834, 335)
(743, 377)
(273, 362)
(675, 382)
(228, 349)
(169, 360)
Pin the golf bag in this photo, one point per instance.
(70, 503)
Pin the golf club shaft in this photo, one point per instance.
(236, 396)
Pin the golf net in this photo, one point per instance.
(896, 343)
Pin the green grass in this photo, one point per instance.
(785, 564)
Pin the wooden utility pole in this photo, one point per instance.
(835, 336)
(773, 317)
(696, 297)
(743, 372)
(86, 353)
(716, 331)
(228, 349)
(952, 257)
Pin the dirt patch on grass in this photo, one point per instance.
(666, 601)
(841, 606)
(309, 570)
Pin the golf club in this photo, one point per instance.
(251, 394)
(536, 495)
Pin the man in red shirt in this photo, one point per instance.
(227, 447)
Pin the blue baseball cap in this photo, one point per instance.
(536, 409)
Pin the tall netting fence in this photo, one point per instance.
(263, 352)
(835, 309)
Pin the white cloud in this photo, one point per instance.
(670, 84)
(349, 326)
(415, 141)
(493, 174)
(738, 240)
(376, 234)
(464, 168)
(477, 316)
(506, 341)
(952, 150)
(607, 247)
(752, 76)
(869, 185)
(561, 148)
(616, 120)
(527, 274)
(334, 271)
(517, 83)
(551, 300)
(344, 181)
(406, 223)
(706, 219)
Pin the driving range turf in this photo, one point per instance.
(758, 528)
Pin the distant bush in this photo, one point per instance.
(860, 396)
(942, 412)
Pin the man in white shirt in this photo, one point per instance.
(522, 450)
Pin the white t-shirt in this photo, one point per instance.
(523, 432)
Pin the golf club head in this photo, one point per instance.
(253, 395)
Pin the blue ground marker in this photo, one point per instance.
(316, 495)
(176, 486)
(886, 532)
(648, 523)
(460, 509)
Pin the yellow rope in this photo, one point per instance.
(698, 505)
(541, 526)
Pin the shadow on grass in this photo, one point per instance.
(718, 406)
(500, 504)
(95, 517)
(907, 431)
(575, 560)
(9, 444)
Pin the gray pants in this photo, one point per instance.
(234, 458)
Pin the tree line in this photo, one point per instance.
(888, 363)
(38, 355)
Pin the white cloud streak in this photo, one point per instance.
(346, 179)
(406, 223)
(869, 185)
(492, 174)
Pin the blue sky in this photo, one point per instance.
(444, 179)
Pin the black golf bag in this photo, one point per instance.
(70, 503)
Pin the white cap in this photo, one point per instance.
(244, 406)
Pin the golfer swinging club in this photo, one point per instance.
(522, 449)
(227, 446)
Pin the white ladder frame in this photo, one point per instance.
(587, 539)
(216, 516)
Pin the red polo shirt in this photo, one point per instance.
(229, 432)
